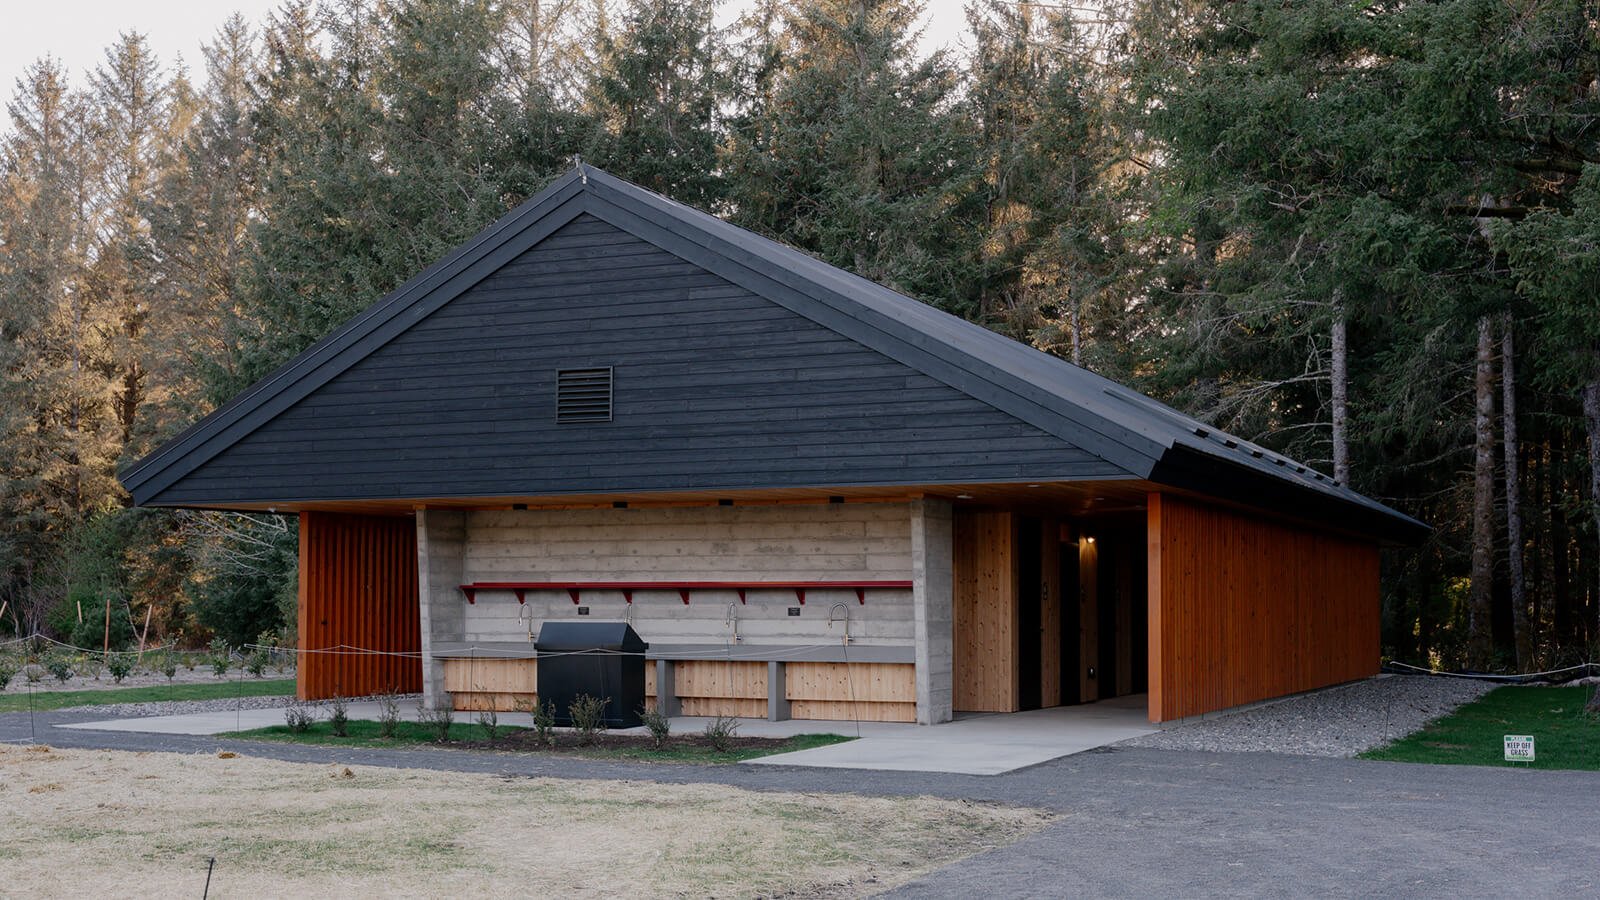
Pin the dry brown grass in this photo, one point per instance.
(82, 822)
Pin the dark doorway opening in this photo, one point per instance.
(1105, 632)
(1071, 657)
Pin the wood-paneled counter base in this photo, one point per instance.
(830, 691)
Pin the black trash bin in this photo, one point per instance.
(601, 659)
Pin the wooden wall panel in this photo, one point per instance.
(870, 692)
(721, 688)
(845, 711)
(986, 669)
(358, 591)
(508, 685)
(855, 682)
(1050, 600)
(1243, 609)
(715, 386)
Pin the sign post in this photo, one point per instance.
(1519, 748)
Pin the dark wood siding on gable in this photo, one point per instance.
(714, 387)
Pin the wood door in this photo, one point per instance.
(986, 633)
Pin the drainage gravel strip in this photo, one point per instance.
(1339, 722)
(179, 707)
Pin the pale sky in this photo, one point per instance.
(78, 31)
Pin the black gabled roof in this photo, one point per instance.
(1135, 433)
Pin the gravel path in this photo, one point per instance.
(1340, 721)
(142, 678)
(180, 707)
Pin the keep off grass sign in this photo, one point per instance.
(1519, 748)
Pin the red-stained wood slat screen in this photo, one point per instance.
(1242, 608)
(358, 589)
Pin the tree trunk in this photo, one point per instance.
(1341, 387)
(1562, 621)
(1077, 334)
(1521, 626)
(1591, 421)
(1480, 641)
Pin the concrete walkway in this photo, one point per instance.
(978, 744)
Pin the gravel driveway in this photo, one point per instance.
(1339, 721)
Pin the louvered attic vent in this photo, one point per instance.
(583, 395)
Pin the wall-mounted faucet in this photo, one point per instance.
(731, 619)
(846, 610)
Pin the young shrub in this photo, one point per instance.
(59, 665)
(588, 717)
(299, 716)
(388, 714)
(719, 733)
(8, 670)
(436, 720)
(167, 665)
(489, 720)
(189, 662)
(221, 658)
(33, 672)
(544, 721)
(339, 717)
(256, 664)
(120, 665)
(660, 726)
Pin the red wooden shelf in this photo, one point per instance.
(575, 589)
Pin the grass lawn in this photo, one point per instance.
(16, 700)
(684, 748)
(1565, 737)
(79, 820)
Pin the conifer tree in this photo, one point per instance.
(131, 109)
(859, 153)
(198, 230)
(655, 100)
(57, 445)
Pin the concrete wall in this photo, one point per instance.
(800, 542)
(933, 596)
(441, 554)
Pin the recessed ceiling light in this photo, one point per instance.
(963, 496)
(1035, 485)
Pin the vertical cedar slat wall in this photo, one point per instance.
(1050, 609)
(358, 588)
(986, 665)
(1242, 609)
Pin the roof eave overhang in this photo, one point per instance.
(1191, 470)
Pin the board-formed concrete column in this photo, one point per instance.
(932, 597)
(667, 702)
(778, 709)
(441, 570)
